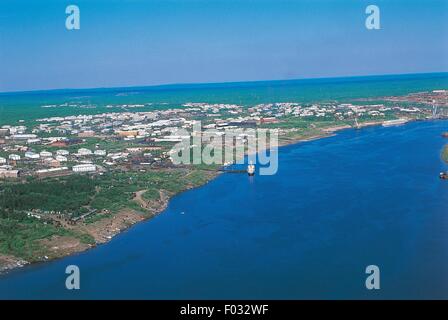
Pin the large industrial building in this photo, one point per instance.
(84, 168)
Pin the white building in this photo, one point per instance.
(118, 155)
(2, 160)
(61, 158)
(52, 170)
(100, 152)
(45, 154)
(23, 136)
(33, 141)
(14, 157)
(62, 153)
(84, 152)
(31, 155)
(84, 168)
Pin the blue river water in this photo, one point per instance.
(335, 206)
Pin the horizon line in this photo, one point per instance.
(194, 84)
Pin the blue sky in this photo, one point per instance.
(127, 43)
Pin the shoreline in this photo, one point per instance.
(126, 218)
(9, 263)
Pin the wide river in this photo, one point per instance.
(335, 206)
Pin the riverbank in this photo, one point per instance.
(104, 228)
(445, 153)
(107, 228)
(275, 237)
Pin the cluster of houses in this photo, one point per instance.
(342, 111)
(23, 147)
(19, 144)
(46, 163)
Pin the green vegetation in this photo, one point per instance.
(18, 237)
(152, 194)
(21, 235)
(63, 194)
(112, 191)
(116, 190)
(112, 145)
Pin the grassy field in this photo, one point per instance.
(20, 237)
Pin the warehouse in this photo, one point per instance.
(9, 173)
(84, 168)
(54, 172)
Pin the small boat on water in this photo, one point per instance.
(444, 175)
(251, 169)
(445, 135)
(395, 122)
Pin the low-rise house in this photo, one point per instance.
(62, 152)
(46, 154)
(86, 134)
(31, 155)
(61, 158)
(4, 132)
(84, 152)
(130, 133)
(100, 152)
